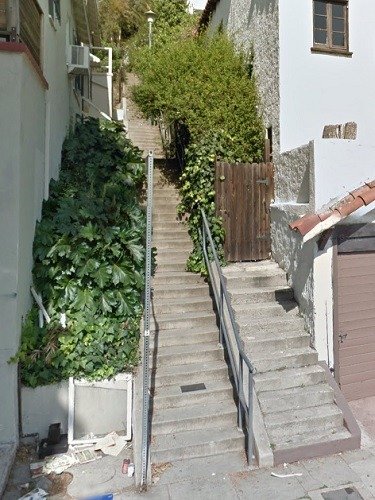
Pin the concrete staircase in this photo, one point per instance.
(297, 402)
(185, 350)
(141, 132)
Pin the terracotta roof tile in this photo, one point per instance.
(324, 215)
(356, 199)
(348, 208)
(305, 224)
(361, 190)
(368, 196)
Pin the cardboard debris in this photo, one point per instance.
(60, 463)
(85, 456)
(36, 469)
(111, 444)
(37, 494)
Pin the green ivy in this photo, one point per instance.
(88, 262)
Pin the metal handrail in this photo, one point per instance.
(145, 451)
(236, 355)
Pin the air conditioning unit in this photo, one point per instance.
(78, 59)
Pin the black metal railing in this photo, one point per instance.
(241, 368)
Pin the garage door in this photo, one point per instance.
(355, 324)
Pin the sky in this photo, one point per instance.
(199, 4)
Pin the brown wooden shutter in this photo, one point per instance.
(30, 26)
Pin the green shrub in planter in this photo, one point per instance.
(89, 262)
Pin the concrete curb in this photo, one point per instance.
(263, 450)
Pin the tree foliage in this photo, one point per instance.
(89, 261)
(202, 84)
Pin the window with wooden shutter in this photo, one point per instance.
(331, 26)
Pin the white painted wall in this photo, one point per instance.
(341, 166)
(43, 406)
(22, 190)
(220, 16)
(11, 65)
(321, 89)
(323, 303)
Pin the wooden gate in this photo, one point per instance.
(243, 194)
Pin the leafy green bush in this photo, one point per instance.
(203, 84)
(89, 260)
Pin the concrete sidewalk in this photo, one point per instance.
(352, 473)
(224, 477)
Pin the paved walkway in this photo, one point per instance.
(224, 477)
(352, 473)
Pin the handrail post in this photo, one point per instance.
(250, 430)
(221, 313)
(240, 391)
(146, 336)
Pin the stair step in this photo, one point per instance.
(254, 295)
(279, 360)
(178, 305)
(286, 379)
(176, 278)
(182, 355)
(173, 245)
(167, 267)
(267, 309)
(294, 398)
(221, 414)
(240, 269)
(168, 224)
(276, 279)
(174, 291)
(165, 210)
(187, 320)
(196, 443)
(171, 396)
(272, 331)
(199, 305)
(190, 318)
(185, 337)
(169, 231)
(269, 328)
(171, 253)
(283, 425)
(309, 438)
(191, 373)
(279, 341)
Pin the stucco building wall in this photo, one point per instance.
(31, 138)
(22, 188)
(254, 25)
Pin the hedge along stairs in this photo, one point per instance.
(141, 132)
(193, 411)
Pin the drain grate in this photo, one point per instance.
(348, 493)
(193, 388)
